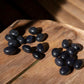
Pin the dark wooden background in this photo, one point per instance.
(12, 10)
(65, 11)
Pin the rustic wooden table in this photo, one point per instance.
(24, 69)
(66, 11)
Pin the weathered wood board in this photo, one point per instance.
(66, 11)
(10, 66)
(46, 71)
(17, 69)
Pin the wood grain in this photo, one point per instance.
(77, 3)
(12, 65)
(16, 69)
(69, 12)
(46, 71)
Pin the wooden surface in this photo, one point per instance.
(10, 66)
(24, 69)
(66, 11)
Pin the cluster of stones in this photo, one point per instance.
(15, 40)
(68, 59)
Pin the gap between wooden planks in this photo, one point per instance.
(11, 67)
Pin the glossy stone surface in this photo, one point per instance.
(42, 47)
(71, 51)
(27, 48)
(77, 47)
(14, 32)
(10, 50)
(41, 37)
(59, 62)
(38, 55)
(34, 30)
(78, 64)
(21, 40)
(70, 61)
(14, 43)
(65, 70)
(64, 55)
(30, 39)
(66, 43)
(9, 37)
(56, 52)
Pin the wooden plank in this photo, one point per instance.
(12, 65)
(78, 3)
(46, 71)
(66, 18)
(74, 11)
(64, 12)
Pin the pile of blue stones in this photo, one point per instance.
(68, 59)
(15, 40)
